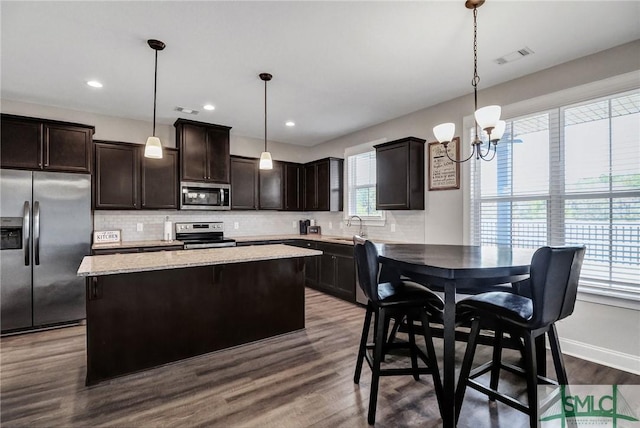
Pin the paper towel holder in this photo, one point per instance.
(167, 235)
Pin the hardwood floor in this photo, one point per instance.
(302, 379)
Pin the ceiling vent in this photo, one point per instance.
(186, 110)
(514, 56)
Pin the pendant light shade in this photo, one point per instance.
(498, 131)
(265, 157)
(265, 161)
(488, 117)
(153, 147)
(444, 132)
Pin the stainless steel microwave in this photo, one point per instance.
(205, 196)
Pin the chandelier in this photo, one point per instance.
(486, 118)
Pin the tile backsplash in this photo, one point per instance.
(408, 226)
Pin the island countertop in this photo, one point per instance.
(139, 262)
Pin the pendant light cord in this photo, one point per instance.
(265, 115)
(155, 87)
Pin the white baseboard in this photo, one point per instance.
(606, 357)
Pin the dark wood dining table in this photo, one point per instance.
(454, 269)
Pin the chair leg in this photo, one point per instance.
(541, 355)
(363, 343)
(558, 361)
(394, 331)
(378, 352)
(412, 349)
(433, 359)
(466, 365)
(497, 361)
(531, 373)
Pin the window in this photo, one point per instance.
(568, 176)
(361, 185)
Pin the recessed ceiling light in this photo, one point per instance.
(290, 123)
(209, 107)
(94, 84)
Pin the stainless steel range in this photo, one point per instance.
(203, 235)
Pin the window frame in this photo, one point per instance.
(558, 101)
(354, 151)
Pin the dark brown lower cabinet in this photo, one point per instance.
(333, 272)
(144, 319)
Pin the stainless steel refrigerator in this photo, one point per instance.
(46, 231)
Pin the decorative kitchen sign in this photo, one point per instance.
(443, 173)
(104, 236)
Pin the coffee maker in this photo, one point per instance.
(304, 224)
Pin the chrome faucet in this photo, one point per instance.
(361, 231)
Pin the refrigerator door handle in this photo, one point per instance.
(36, 233)
(26, 226)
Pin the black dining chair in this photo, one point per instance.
(551, 295)
(386, 300)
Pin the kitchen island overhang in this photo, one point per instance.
(149, 309)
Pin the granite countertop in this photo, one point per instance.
(346, 240)
(135, 244)
(139, 262)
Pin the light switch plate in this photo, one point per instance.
(139, 227)
(294, 224)
(236, 225)
(393, 227)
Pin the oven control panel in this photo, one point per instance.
(214, 226)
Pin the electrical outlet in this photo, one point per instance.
(139, 227)
(330, 225)
(393, 227)
(236, 225)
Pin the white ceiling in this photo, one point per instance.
(338, 66)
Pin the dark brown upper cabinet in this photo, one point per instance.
(159, 181)
(124, 179)
(323, 185)
(270, 187)
(293, 186)
(204, 151)
(116, 178)
(39, 144)
(400, 174)
(244, 183)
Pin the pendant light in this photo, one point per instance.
(486, 118)
(153, 148)
(265, 157)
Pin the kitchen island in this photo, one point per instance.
(149, 309)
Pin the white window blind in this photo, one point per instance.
(568, 176)
(361, 185)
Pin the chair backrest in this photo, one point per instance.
(366, 256)
(554, 283)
